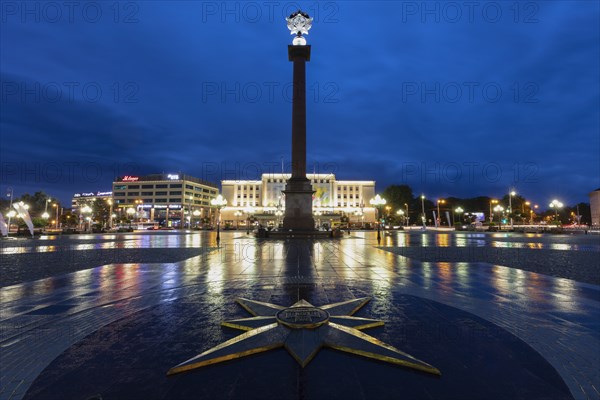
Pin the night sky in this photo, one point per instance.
(451, 99)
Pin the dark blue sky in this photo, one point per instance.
(452, 99)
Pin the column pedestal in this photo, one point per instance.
(298, 205)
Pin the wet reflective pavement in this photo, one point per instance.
(115, 330)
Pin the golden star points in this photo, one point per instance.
(303, 330)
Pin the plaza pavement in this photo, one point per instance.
(558, 318)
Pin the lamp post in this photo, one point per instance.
(248, 210)
(318, 213)
(56, 205)
(492, 215)
(219, 203)
(510, 210)
(458, 211)
(196, 214)
(499, 210)
(400, 213)
(362, 215)
(237, 214)
(555, 204)
(407, 214)
(423, 218)
(45, 215)
(190, 210)
(110, 213)
(378, 202)
(439, 220)
(130, 211)
(138, 204)
(86, 210)
(10, 215)
(278, 214)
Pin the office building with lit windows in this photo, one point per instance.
(169, 198)
(263, 200)
(81, 199)
(595, 207)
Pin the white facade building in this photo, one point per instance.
(333, 201)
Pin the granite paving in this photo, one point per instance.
(60, 335)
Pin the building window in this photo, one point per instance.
(189, 187)
(119, 194)
(161, 193)
(133, 187)
(120, 187)
(133, 194)
(147, 201)
(175, 193)
(147, 186)
(161, 186)
(175, 185)
(175, 200)
(160, 200)
(146, 193)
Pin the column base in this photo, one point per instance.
(298, 205)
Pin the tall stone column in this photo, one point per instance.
(298, 191)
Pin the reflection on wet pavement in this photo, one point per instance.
(557, 317)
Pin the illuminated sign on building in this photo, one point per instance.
(92, 194)
(173, 177)
(129, 178)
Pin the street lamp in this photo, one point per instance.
(138, 204)
(219, 202)
(400, 213)
(555, 204)
(510, 210)
(237, 214)
(248, 210)
(110, 213)
(278, 214)
(196, 214)
(407, 214)
(86, 210)
(318, 213)
(458, 211)
(439, 219)
(423, 217)
(130, 211)
(45, 215)
(56, 205)
(492, 215)
(378, 202)
(499, 210)
(11, 214)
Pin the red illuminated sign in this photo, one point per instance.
(128, 178)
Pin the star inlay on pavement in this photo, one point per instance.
(303, 329)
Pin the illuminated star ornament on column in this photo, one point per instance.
(303, 330)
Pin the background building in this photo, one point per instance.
(263, 200)
(595, 207)
(81, 199)
(164, 198)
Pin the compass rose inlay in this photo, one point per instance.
(303, 330)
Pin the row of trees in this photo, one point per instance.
(398, 196)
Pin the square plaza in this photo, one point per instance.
(97, 326)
